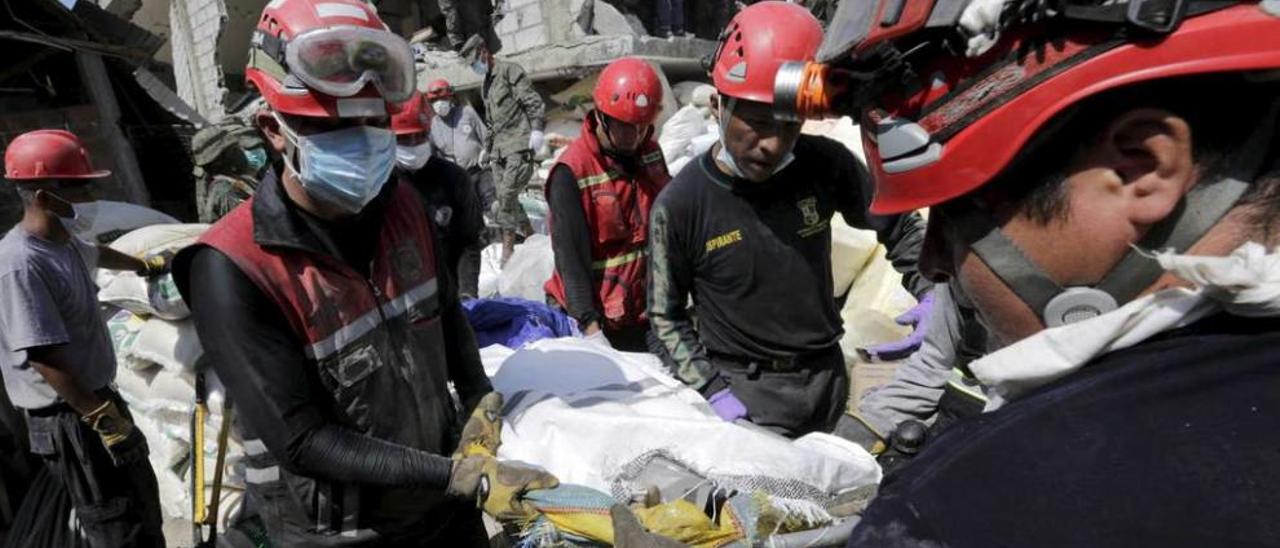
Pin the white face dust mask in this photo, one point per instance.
(412, 158)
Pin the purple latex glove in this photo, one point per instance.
(917, 317)
(727, 405)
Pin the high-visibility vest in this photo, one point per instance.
(617, 207)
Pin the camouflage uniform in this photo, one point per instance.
(514, 109)
(224, 178)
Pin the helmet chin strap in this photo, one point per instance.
(1198, 212)
(1057, 305)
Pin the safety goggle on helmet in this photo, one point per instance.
(308, 56)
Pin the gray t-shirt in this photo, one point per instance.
(459, 137)
(48, 297)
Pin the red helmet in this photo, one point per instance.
(439, 89)
(951, 123)
(48, 154)
(411, 116)
(757, 41)
(328, 58)
(629, 90)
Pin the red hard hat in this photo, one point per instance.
(961, 120)
(282, 22)
(48, 154)
(411, 116)
(629, 90)
(757, 41)
(439, 89)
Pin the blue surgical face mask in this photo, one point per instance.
(480, 67)
(345, 168)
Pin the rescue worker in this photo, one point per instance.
(598, 195)
(326, 308)
(459, 135)
(1103, 189)
(515, 113)
(746, 232)
(933, 384)
(229, 158)
(451, 199)
(56, 356)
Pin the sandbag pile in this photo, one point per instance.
(157, 349)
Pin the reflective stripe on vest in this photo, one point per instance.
(351, 332)
(620, 260)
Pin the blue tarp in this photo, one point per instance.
(514, 322)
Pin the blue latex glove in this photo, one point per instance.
(917, 317)
(727, 405)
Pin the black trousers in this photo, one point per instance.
(114, 506)
(807, 396)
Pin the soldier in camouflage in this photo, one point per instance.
(515, 116)
(228, 158)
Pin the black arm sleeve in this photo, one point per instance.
(462, 355)
(259, 359)
(902, 234)
(571, 243)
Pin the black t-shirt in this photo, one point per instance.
(757, 256)
(453, 204)
(1172, 442)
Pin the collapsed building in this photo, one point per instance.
(136, 78)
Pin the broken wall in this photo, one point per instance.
(196, 26)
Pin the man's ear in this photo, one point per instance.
(1150, 151)
(271, 130)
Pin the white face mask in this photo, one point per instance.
(442, 107)
(414, 157)
(480, 67)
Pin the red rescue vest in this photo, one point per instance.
(377, 342)
(617, 209)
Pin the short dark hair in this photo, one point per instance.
(1035, 181)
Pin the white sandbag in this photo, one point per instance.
(158, 296)
(174, 346)
(531, 265)
(680, 129)
(490, 271)
(590, 414)
(125, 327)
(157, 238)
(114, 219)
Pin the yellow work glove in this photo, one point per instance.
(483, 432)
(124, 443)
(498, 487)
(153, 266)
(629, 533)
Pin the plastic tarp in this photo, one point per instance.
(515, 322)
(595, 416)
(113, 219)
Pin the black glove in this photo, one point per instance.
(856, 430)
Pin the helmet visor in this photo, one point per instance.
(340, 61)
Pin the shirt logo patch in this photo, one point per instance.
(724, 240)
(809, 208)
